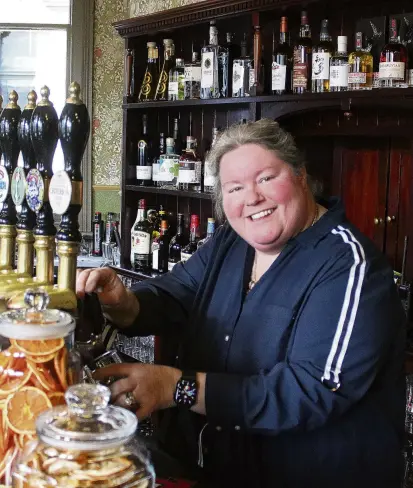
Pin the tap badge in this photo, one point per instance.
(18, 186)
(4, 184)
(60, 192)
(34, 190)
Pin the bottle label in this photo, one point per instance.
(168, 169)
(393, 71)
(155, 171)
(278, 76)
(252, 78)
(193, 73)
(141, 243)
(155, 258)
(207, 70)
(300, 75)
(321, 66)
(170, 266)
(237, 77)
(356, 78)
(185, 256)
(189, 172)
(162, 84)
(339, 76)
(143, 172)
(173, 88)
(96, 238)
(209, 178)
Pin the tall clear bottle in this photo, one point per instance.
(393, 60)
(339, 66)
(148, 87)
(233, 51)
(209, 65)
(168, 63)
(241, 73)
(169, 166)
(193, 78)
(322, 53)
(360, 67)
(190, 167)
(281, 63)
(155, 165)
(209, 176)
(302, 58)
(176, 86)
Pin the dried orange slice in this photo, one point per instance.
(57, 398)
(43, 376)
(13, 380)
(38, 348)
(4, 434)
(60, 365)
(23, 407)
(42, 359)
(7, 461)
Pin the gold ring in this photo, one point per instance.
(130, 399)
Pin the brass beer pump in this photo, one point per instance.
(65, 199)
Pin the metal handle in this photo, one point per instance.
(391, 219)
(378, 221)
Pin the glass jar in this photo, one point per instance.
(86, 443)
(37, 364)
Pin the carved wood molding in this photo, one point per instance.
(194, 14)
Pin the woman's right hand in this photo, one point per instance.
(118, 302)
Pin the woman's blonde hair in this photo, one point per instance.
(265, 133)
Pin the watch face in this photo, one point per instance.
(186, 392)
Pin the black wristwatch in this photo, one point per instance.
(186, 391)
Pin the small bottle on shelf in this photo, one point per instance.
(209, 177)
(233, 51)
(176, 86)
(169, 166)
(143, 156)
(168, 63)
(190, 167)
(210, 232)
(193, 78)
(97, 229)
(109, 226)
(339, 66)
(209, 65)
(177, 243)
(155, 165)
(281, 63)
(321, 61)
(191, 247)
(360, 67)
(393, 61)
(302, 58)
(241, 73)
(160, 252)
(141, 234)
(148, 87)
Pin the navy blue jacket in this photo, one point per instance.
(305, 384)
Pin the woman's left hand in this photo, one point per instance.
(152, 387)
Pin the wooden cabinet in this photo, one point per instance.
(358, 144)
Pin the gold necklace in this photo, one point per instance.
(253, 281)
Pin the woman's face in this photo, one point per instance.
(265, 202)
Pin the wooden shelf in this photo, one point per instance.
(162, 191)
(375, 95)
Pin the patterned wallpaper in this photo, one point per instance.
(108, 83)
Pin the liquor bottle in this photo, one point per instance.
(148, 87)
(169, 166)
(134, 239)
(282, 59)
(302, 58)
(393, 60)
(142, 245)
(190, 167)
(177, 137)
(233, 51)
(360, 67)
(210, 232)
(177, 243)
(161, 249)
(155, 165)
(193, 78)
(97, 229)
(209, 177)
(110, 224)
(257, 80)
(209, 65)
(191, 247)
(339, 66)
(168, 63)
(241, 73)
(143, 156)
(321, 61)
(176, 86)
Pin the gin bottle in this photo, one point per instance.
(169, 166)
(190, 167)
(176, 87)
(193, 78)
(209, 65)
(209, 176)
(241, 73)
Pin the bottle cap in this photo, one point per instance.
(151, 44)
(170, 141)
(142, 203)
(212, 220)
(164, 224)
(342, 44)
(168, 42)
(194, 219)
(304, 19)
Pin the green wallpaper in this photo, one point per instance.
(106, 201)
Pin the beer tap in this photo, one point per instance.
(26, 218)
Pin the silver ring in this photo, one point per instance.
(130, 399)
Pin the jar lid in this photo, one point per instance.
(36, 322)
(87, 422)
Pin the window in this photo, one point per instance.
(49, 42)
